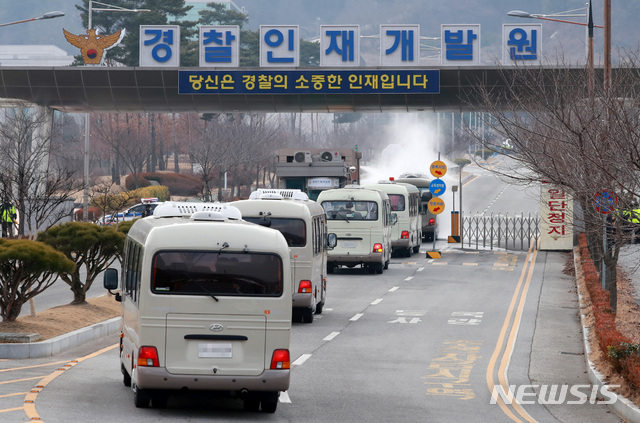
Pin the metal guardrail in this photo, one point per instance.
(500, 231)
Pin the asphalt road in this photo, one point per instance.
(425, 341)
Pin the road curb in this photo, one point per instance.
(621, 406)
(60, 343)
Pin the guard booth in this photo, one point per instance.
(315, 170)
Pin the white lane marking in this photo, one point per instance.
(394, 289)
(331, 336)
(420, 269)
(356, 317)
(408, 278)
(300, 361)
(284, 397)
(378, 301)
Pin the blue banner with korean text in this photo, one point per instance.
(309, 82)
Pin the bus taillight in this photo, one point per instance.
(404, 235)
(280, 360)
(304, 287)
(432, 221)
(148, 357)
(377, 248)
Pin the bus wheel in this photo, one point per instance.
(319, 307)
(140, 397)
(386, 265)
(379, 268)
(331, 267)
(269, 402)
(307, 315)
(416, 249)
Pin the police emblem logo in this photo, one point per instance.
(92, 46)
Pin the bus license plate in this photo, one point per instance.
(349, 244)
(215, 350)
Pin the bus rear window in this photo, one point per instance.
(397, 202)
(217, 273)
(293, 230)
(351, 210)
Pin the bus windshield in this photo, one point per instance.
(292, 229)
(351, 210)
(217, 273)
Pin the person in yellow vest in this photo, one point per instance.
(7, 217)
(633, 217)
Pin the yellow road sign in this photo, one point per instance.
(438, 169)
(436, 205)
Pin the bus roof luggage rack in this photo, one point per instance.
(197, 211)
(278, 194)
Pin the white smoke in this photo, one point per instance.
(413, 145)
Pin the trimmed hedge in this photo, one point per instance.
(159, 191)
(622, 353)
(179, 184)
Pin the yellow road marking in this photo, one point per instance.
(506, 356)
(30, 397)
(471, 180)
(32, 367)
(13, 395)
(6, 382)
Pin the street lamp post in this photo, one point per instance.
(48, 15)
(87, 127)
(569, 14)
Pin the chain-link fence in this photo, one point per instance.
(508, 231)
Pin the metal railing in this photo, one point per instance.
(515, 231)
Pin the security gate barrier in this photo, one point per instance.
(515, 231)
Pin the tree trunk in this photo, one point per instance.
(611, 285)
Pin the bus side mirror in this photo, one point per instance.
(332, 241)
(394, 218)
(110, 281)
(426, 196)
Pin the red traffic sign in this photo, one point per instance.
(606, 201)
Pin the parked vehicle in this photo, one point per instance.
(406, 235)
(206, 305)
(145, 208)
(304, 226)
(362, 220)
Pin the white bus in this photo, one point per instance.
(406, 235)
(304, 226)
(362, 219)
(206, 306)
(428, 218)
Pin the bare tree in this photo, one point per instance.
(232, 143)
(584, 141)
(41, 190)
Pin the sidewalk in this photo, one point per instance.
(558, 347)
